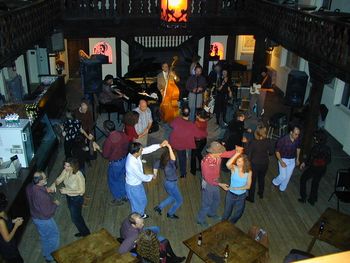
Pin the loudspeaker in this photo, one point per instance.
(296, 87)
(56, 42)
(91, 73)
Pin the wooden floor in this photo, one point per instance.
(285, 219)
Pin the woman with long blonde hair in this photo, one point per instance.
(258, 153)
(241, 178)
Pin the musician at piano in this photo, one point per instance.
(164, 76)
(196, 85)
(144, 123)
(258, 96)
(111, 96)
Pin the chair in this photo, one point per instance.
(342, 187)
(277, 122)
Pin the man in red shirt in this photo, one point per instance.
(211, 167)
(115, 149)
(182, 137)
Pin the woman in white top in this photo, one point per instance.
(74, 189)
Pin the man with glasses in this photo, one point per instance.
(287, 153)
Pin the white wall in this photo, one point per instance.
(338, 118)
(125, 57)
(343, 5)
(241, 54)
(106, 68)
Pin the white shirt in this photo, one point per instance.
(145, 118)
(134, 168)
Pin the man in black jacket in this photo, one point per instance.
(316, 163)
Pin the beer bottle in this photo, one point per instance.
(200, 239)
(226, 252)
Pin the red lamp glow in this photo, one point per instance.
(173, 13)
(216, 51)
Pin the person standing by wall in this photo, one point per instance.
(42, 209)
(287, 153)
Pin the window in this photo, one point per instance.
(292, 60)
(345, 100)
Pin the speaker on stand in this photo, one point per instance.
(296, 88)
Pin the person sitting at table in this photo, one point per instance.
(241, 178)
(150, 250)
(8, 229)
(130, 229)
(111, 97)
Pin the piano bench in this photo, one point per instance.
(110, 108)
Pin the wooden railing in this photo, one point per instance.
(135, 8)
(316, 38)
(23, 27)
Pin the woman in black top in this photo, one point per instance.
(8, 228)
(223, 92)
(258, 153)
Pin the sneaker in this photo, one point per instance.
(158, 210)
(145, 216)
(302, 200)
(311, 202)
(78, 235)
(261, 196)
(203, 224)
(172, 216)
(249, 199)
(125, 199)
(117, 202)
(143, 161)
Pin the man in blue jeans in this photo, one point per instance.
(42, 209)
(115, 149)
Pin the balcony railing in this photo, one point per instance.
(314, 37)
(23, 27)
(143, 8)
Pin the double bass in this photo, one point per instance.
(169, 107)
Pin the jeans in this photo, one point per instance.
(181, 154)
(285, 173)
(315, 174)
(75, 204)
(174, 197)
(49, 236)
(137, 197)
(210, 202)
(194, 101)
(258, 174)
(116, 179)
(236, 202)
(197, 154)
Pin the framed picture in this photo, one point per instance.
(248, 44)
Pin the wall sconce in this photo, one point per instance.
(173, 13)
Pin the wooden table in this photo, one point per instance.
(242, 248)
(336, 230)
(99, 247)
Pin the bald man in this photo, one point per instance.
(145, 122)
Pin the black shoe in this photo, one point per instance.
(311, 202)
(145, 216)
(78, 235)
(250, 199)
(261, 196)
(178, 259)
(172, 216)
(183, 176)
(158, 210)
(302, 200)
(193, 173)
(125, 199)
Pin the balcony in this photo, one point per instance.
(319, 37)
